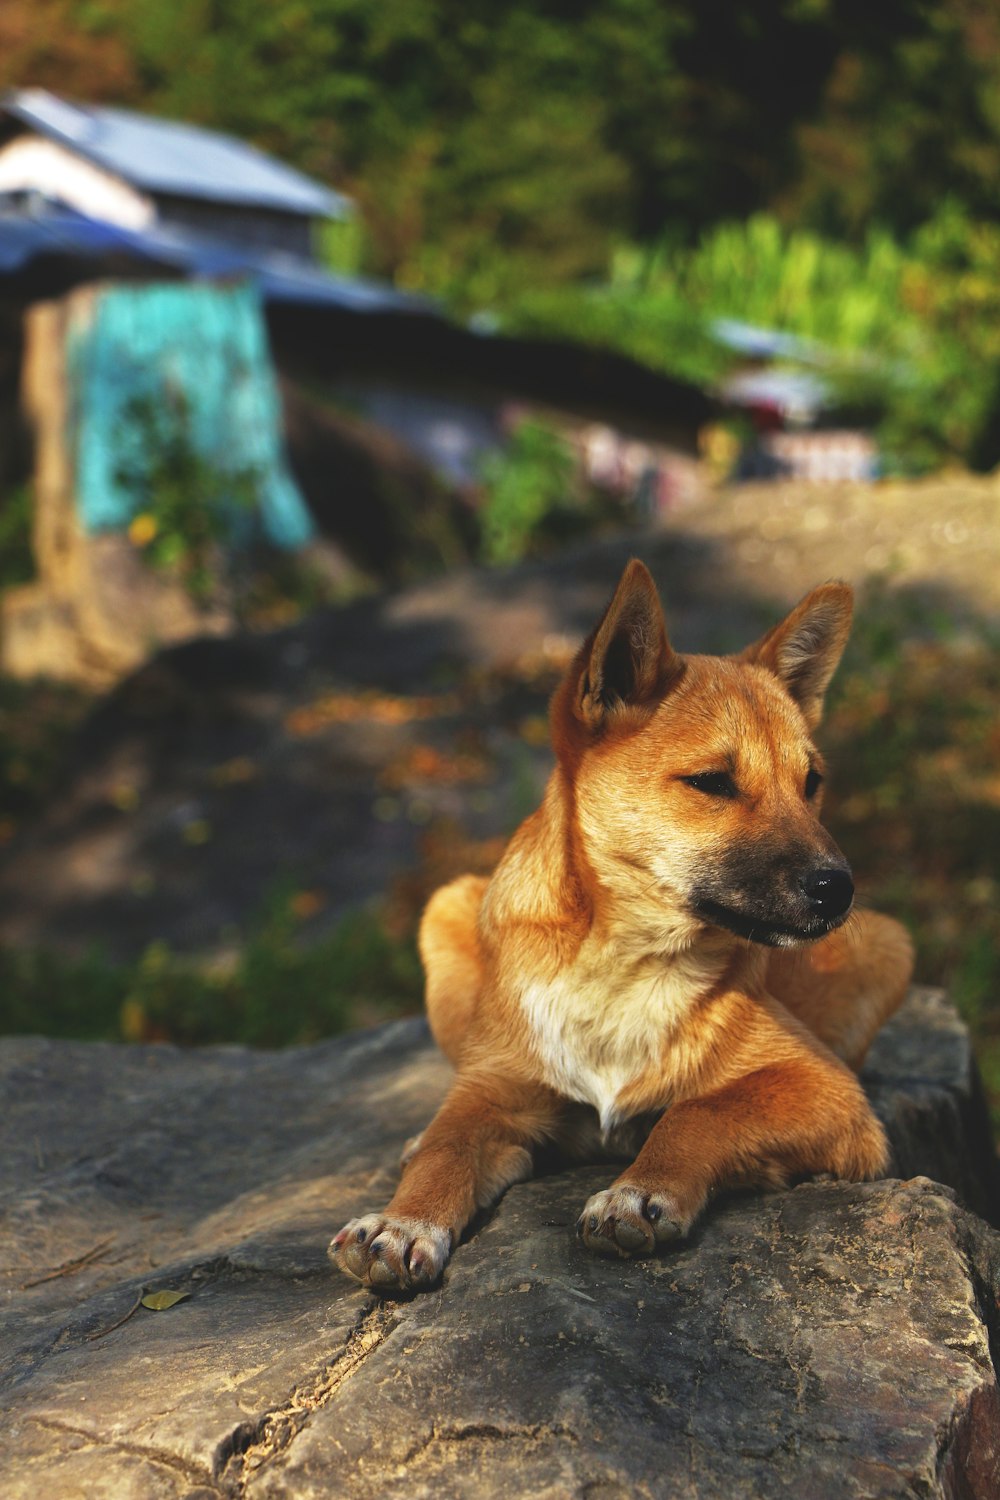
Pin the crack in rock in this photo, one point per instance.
(152, 1455)
(251, 1445)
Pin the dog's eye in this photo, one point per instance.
(712, 783)
(813, 783)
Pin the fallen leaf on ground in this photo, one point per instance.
(160, 1301)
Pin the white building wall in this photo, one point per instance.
(29, 164)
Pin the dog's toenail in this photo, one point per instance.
(592, 1222)
(653, 1212)
(361, 1236)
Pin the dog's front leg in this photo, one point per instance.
(800, 1113)
(477, 1145)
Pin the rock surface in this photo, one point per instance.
(831, 1341)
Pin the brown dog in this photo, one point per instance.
(660, 958)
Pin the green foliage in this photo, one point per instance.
(912, 735)
(275, 992)
(44, 992)
(494, 149)
(487, 144)
(458, 129)
(526, 489)
(908, 118)
(17, 561)
(343, 245)
(186, 504)
(909, 334)
(951, 296)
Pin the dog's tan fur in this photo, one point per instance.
(656, 958)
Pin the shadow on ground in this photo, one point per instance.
(389, 743)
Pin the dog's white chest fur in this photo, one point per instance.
(596, 1031)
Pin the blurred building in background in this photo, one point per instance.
(138, 172)
(389, 409)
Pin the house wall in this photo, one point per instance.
(29, 164)
(250, 228)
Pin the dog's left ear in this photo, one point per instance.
(804, 650)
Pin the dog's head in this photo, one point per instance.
(696, 784)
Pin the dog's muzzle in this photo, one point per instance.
(829, 892)
(779, 908)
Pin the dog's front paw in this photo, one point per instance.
(391, 1254)
(625, 1220)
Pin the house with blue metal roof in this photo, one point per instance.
(126, 204)
(141, 174)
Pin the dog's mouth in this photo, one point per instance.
(765, 927)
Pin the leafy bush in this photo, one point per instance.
(912, 732)
(274, 992)
(17, 560)
(910, 334)
(524, 485)
(186, 504)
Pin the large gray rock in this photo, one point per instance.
(828, 1341)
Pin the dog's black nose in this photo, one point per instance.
(829, 892)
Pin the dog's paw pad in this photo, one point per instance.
(391, 1254)
(626, 1221)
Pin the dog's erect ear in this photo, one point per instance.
(804, 650)
(628, 660)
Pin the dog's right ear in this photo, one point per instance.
(804, 649)
(626, 665)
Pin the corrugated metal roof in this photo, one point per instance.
(167, 157)
(764, 343)
(24, 238)
(281, 278)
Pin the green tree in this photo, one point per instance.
(494, 144)
(474, 135)
(910, 117)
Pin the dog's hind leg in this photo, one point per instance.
(449, 948)
(845, 987)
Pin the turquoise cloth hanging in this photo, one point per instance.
(201, 353)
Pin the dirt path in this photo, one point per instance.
(941, 534)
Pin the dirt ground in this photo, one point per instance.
(941, 533)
